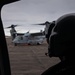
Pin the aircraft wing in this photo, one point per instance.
(32, 34)
(20, 34)
(37, 34)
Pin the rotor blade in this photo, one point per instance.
(8, 27)
(16, 25)
(42, 23)
(12, 26)
(39, 24)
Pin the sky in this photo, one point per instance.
(28, 12)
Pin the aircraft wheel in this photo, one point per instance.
(38, 43)
(15, 44)
(29, 44)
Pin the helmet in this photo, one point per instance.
(62, 38)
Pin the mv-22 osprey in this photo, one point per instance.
(26, 38)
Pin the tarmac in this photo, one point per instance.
(29, 59)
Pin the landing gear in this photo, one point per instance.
(15, 44)
(38, 43)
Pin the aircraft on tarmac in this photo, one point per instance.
(26, 38)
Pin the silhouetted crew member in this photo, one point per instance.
(62, 45)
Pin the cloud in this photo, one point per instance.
(35, 11)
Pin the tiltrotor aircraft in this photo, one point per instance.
(26, 38)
